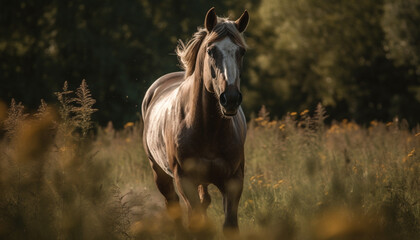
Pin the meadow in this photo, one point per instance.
(63, 178)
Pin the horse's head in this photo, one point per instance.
(222, 64)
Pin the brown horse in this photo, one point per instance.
(194, 127)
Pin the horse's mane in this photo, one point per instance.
(187, 54)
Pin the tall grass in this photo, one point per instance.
(337, 182)
(51, 184)
(304, 179)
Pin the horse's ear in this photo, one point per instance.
(211, 20)
(242, 21)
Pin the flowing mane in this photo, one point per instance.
(187, 53)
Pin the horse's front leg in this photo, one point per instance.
(188, 188)
(231, 192)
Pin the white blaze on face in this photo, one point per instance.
(228, 50)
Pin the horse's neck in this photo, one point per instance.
(204, 109)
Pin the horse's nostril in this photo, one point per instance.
(239, 99)
(223, 99)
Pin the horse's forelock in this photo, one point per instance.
(187, 54)
(226, 28)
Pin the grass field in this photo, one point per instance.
(303, 180)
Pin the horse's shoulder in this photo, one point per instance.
(162, 86)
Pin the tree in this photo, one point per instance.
(331, 52)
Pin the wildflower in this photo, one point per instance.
(282, 126)
(279, 182)
(293, 113)
(129, 124)
(374, 123)
(411, 153)
(304, 112)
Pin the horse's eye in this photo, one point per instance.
(211, 52)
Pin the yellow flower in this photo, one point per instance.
(304, 112)
(259, 119)
(411, 153)
(129, 124)
(374, 123)
(293, 113)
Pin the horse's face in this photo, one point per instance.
(223, 64)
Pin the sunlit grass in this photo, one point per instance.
(306, 180)
(303, 180)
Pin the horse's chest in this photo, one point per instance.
(207, 159)
(207, 169)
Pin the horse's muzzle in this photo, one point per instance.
(230, 100)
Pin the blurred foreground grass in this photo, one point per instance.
(304, 180)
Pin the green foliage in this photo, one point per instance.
(333, 52)
(400, 22)
(122, 47)
(360, 59)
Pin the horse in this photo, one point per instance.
(194, 127)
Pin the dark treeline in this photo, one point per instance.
(360, 59)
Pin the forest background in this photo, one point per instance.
(360, 59)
